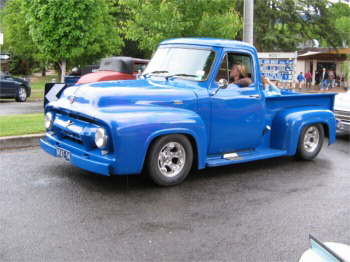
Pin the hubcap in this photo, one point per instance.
(171, 159)
(311, 139)
(22, 94)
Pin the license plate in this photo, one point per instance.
(62, 153)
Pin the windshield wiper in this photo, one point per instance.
(155, 72)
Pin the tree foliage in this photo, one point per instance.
(80, 32)
(73, 30)
(340, 14)
(284, 25)
(151, 21)
(18, 42)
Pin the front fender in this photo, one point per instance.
(288, 124)
(134, 132)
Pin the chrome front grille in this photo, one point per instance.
(75, 129)
(70, 135)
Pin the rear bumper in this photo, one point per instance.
(86, 160)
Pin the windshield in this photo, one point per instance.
(187, 63)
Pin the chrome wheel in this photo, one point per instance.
(22, 94)
(171, 159)
(311, 139)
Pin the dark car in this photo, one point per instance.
(14, 87)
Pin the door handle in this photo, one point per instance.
(254, 96)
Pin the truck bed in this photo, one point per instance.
(274, 104)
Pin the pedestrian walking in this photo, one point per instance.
(300, 79)
(324, 79)
(308, 78)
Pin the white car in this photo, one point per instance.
(342, 111)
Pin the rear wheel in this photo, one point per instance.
(169, 160)
(310, 142)
(21, 94)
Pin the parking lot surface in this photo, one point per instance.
(260, 211)
(8, 107)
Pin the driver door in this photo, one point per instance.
(237, 113)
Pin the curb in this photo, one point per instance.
(13, 142)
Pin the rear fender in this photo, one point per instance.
(288, 124)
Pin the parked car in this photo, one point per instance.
(72, 78)
(115, 68)
(184, 113)
(14, 87)
(342, 111)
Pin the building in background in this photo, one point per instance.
(4, 62)
(314, 59)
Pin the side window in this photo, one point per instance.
(223, 70)
(237, 68)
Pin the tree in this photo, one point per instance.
(284, 25)
(73, 30)
(17, 39)
(149, 22)
(340, 14)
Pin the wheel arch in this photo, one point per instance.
(199, 155)
(287, 127)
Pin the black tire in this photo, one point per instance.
(21, 95)
(309, 147)
(156, 166)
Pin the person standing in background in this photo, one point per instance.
(300, 79)
(323, 79)
(332, 77)
(308, 79)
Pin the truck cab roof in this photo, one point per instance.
(209, 42)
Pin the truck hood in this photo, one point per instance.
(111, 96)
(342, 101)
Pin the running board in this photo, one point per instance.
(235, 158)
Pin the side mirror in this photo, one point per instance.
(222, 84)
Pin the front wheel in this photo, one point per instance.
(21, 94)
(310, 142)
(169, 160)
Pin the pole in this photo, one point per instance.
(248, 17)
(1, 43)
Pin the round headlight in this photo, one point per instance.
(48, 120)
(101, 137)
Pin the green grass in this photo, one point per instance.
(39, 83)
(37, 94)
(38, 87)
(13, 125)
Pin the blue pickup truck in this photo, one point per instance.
(199, 103)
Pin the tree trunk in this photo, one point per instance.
(43, 69)
(63, 66)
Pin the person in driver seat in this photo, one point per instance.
(239, 76)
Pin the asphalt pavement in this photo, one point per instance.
(260, 211)
(8, 107)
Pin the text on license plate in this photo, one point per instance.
(62, 153)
